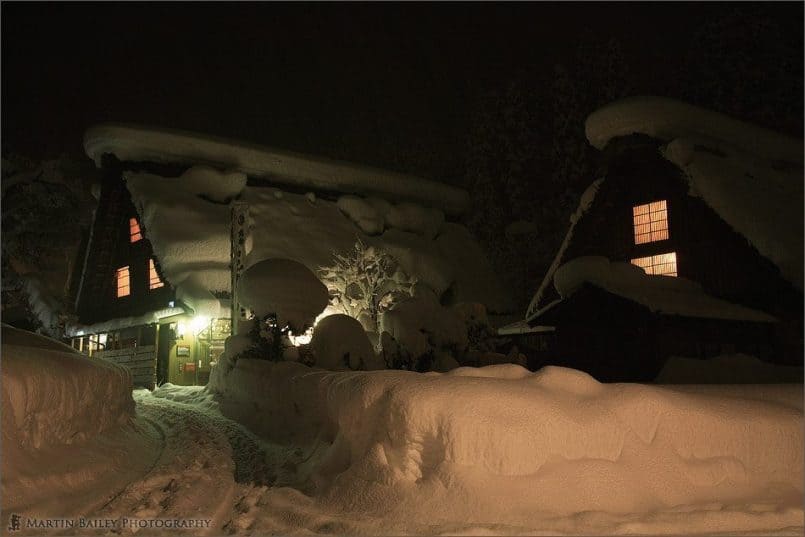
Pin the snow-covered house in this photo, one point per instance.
(689, 243)
(157, 273)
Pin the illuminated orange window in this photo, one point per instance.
(650, 222)
(153, 278)
(134, 230)
(662, 264)
(123, 286)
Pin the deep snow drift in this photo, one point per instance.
(63, 423)
(54, 395)
(496, 450)
(502, 447)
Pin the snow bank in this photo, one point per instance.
(666, 119)
(755, 199)
(664, 294)
(501, 444)
(285, 288)
(53, 395)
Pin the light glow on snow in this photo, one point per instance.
(301, 339)
(199, 323)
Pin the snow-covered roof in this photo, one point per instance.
(662, 294)
(750, 176)
(73, 330)
(190, 236)
(666, 119)
(138, 143)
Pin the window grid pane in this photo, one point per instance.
(134, 230)
(650, 222)
(123, 286)
(662, 264)
(153, 277)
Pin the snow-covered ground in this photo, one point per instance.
(279, 448)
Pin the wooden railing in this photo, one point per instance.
(141, 361)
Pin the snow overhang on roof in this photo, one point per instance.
(667, 119)
(137, 143)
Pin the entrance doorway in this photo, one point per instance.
(167, 336)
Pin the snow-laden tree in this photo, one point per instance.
(366, 282)
(46, 212)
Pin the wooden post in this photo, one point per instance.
(238, 234)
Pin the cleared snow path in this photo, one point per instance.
(201, 457)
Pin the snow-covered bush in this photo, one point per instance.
(339, 342)
(365, 283)
(284, 288)
(481, 336)
(416, 331)
(285, 297)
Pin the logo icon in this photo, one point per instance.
(14, 522)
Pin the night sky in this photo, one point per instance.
(348, 81)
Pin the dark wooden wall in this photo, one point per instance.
(109, 249)
(708, 250)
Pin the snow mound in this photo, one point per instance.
(751, 195)
(191, 238)
(219, 186)
(416, 219)
(423, 326)
(664, 294)
(364, 214)
(189, 235)
(666, 119)
(54, 396)
(474, 279)
(339, 342)
(450, 447)
(285, 288)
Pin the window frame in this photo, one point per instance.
(643, 216)
(120, 274)
(658, 260)
(135, 230)
(152, 274)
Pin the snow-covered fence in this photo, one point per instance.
(141, 361)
